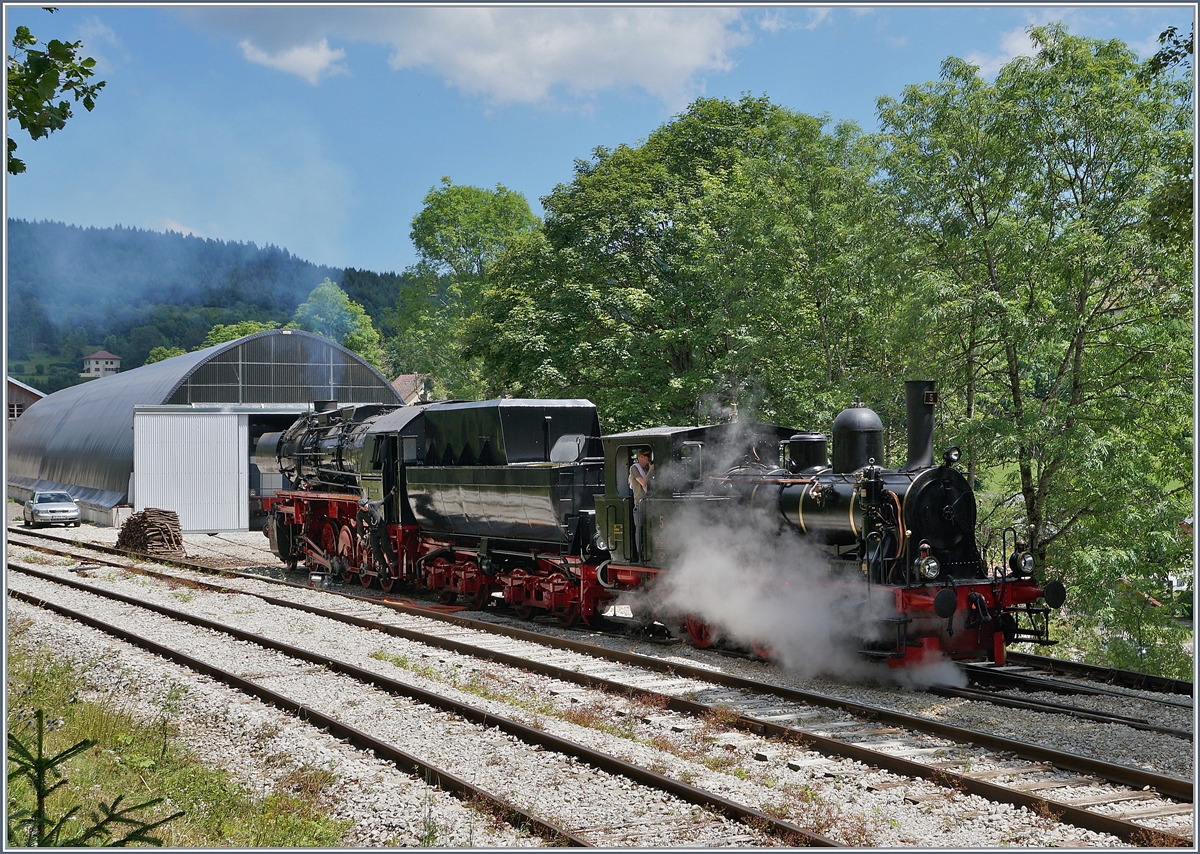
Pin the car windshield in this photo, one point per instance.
(52, 498)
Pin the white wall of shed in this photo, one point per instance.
(197, 464)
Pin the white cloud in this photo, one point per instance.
(309, 62)
(506, 55)
(1014, 43)
(521, 55)
(1147, 48)
(775, 20)
(95, 37)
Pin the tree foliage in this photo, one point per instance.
(458, 234)
(329, 312)
(131, 290)
(37, 79)
(158, 354)
(1062, 324)
(672, 279)
(223, 332)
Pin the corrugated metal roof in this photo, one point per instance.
(28, 388)
(81, 438)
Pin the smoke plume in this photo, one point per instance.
(757, 581)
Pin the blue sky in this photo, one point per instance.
(320, 129)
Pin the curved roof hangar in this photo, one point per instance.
(81, 438)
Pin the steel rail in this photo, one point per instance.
(1110, 675)
(784, 830)
(1055, 708)
(1125, 830)
(1173, 787)
(405, 762)
(130, 553)
(1004, 678)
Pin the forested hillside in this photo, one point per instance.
(129, 290)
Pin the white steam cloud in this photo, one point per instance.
(757, 584)
(757, 581)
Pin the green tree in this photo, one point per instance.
(458, 233)
(223, 332)
(693, 272)
(329, 312)
(37, 78)
(158, 354)
(460, 229)
(1171, 208)
(1063, 333)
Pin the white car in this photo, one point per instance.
(51, 508)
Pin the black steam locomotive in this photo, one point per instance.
(524, 500)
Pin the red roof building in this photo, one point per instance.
(101, 364)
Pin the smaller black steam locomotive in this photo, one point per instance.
(524, 500)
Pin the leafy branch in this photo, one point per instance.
(37, 78)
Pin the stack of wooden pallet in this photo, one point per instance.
(153, 532)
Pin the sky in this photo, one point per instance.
(320, 129)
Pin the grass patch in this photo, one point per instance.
(143, 760)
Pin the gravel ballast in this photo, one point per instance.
(871, 807)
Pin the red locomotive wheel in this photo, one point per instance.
(702, 636)
(447, 597)
(480, 600)
(386, 580)
(762, 650)
(523, 610)
(329, 539)
(568, 616)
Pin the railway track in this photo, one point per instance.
(784, 832)
(1106, 675)
(864, 740)
(1033, 679)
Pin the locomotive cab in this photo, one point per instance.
(690, 476)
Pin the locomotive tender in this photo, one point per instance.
(524, 498)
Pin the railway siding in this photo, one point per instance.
(835, 774)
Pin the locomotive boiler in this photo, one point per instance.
(523, 501)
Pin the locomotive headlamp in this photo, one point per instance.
(952, 455)
(929, 567)
(1021, 563)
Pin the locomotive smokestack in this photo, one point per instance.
(920, 399)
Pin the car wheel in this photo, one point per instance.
(26, 523)
(77, 524)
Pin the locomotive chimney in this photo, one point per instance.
(920, 398)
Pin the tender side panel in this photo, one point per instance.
(522, 502)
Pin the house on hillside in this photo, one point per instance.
(20, 398)
(101, 364)
(412, 388)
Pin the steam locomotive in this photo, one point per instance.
(524, 500)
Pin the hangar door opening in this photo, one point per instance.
(195, 464)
